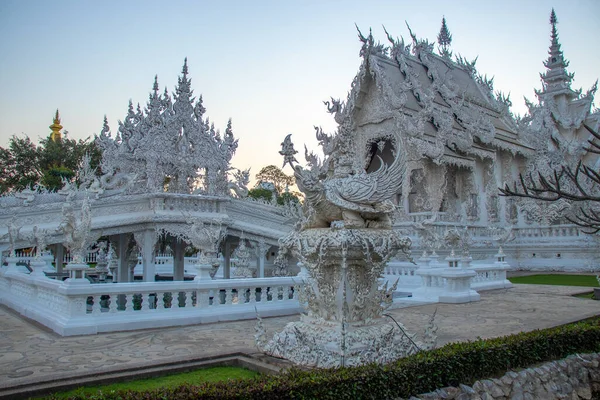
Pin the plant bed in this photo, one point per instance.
(450, 365)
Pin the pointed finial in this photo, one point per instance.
(184, 70)
(55, 128)
(556, 80)
(553, 19)
(105, 128)
(412, 35)
(155, 86)
(444, 39)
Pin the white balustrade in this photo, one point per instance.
(490, 277)
(402, 271)
(72, 309)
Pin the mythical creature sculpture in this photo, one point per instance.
(38, 236)
(452, 238)
(76, 231)
(242, 255)
(13, 235)
(459, 238)
(27, 195)
(427, 234)
(240, 186)
(206, 237)
(346, 197)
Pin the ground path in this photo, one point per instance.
(30, 353)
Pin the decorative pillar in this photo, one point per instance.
(262, 249)
(146, 240)
(122, 269)
(452, 260)
(59, 257)
(227, 256)
(500, 256)
(178, 260)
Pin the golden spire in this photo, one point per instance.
(55, 128)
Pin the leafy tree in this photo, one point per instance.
(53, 177)
(287, 197)
(61, 158)
(20, 165)
(276, 176)
(25, 164)
(260, 193)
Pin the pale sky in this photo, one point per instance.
(266, 64)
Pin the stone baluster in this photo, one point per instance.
(96, 307)
(129, 302)
(112, 307)
(145, 302)
(263, 294)
(160, 300)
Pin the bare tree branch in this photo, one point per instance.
(581, 184)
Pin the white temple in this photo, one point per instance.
(166, 224)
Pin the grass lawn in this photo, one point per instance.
(565, 280)
(194, 377)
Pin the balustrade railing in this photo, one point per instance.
(81, 309)
(491, 276)
(400, 269)
(551, 231)
(196, 295)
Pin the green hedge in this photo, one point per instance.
(450, 365)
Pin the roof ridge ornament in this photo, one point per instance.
(556, 80)
(398, 45)
(369, 46)
(444, 40)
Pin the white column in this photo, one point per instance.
(123, 269)
(178, 260)
(262, 249)
(261, 265)
(149, 240)
(59, 255)
(227, 265)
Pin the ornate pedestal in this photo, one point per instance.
(38, 265)
(205, 271)
(48, 258)
(77, 274)
(343, 323)
(12, 266)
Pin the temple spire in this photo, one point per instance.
(444, 40)
(55, 128)
(556, 80)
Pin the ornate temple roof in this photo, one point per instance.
(170, 143)
(432, 99)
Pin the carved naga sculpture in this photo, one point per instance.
(346, 197)
(240, 185)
